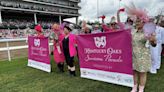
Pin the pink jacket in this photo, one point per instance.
(72, 43)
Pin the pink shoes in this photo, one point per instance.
(134, 89)
(141, 89)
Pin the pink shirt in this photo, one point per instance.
(107, 29)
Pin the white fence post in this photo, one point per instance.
(60, 20)
(8, 51)
(0, 17)
(10, 48)
(35, 19)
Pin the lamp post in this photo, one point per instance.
(119, 4)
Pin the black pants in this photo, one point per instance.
(69, 61)
(77, 53)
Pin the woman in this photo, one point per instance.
(141, 59)
(69, 49)
(114, 26)
(96, 29)
(85, 28)
(39, 29)
(141, 51)
(58, 52)
(156, 51)
(129, 22)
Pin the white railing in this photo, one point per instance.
(9, 48)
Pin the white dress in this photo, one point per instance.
(156, 51)
(96, 31)
(162, 32)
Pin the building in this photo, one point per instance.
(38, 10)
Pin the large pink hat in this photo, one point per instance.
(135, 13)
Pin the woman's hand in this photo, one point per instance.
(153, 40)
(118, 16)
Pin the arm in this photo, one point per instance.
(102, 21)
(147, 44)
(153, 40)
(105, 28)
(118, 16)
(121, 25)
(162, 35)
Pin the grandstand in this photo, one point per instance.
(25, 13)
(18, 17)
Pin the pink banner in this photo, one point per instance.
(38, 53)
(107, 57)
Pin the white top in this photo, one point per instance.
(162, 34)
(95, 31)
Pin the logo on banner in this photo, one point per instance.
(37, 42)
(100, 41)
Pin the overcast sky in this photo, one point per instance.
(109, 8)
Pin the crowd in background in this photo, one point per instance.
(23, 24)
(147, 40)
(14, 28)
(26, 5)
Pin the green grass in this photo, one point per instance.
(15, 76)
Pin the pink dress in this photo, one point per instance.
(58, 53)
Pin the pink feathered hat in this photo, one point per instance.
(135, 13)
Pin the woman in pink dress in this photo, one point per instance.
(58, 51)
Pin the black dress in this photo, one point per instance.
(69, 59)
